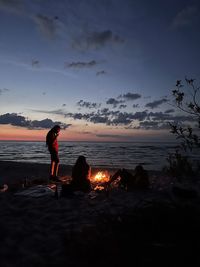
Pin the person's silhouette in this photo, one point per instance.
(52, 144)
(81, 172)
(80, 181)
(128, 181)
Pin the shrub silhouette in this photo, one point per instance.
(180, 165)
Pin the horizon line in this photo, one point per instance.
(94, 141)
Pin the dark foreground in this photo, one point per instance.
(159, 227)
(105, 229)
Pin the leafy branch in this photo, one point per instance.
(180, 165)
(189, 138)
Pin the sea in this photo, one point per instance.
(152, 155)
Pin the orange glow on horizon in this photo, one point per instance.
(13, 133)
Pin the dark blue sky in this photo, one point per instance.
(104, 69)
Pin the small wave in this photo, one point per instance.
(125, 155)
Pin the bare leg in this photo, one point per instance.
(56, 168)
(52, 168)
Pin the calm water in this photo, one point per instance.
(116, 155)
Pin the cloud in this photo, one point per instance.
(101, 38)
(89, 64)
(89, 105)
(4, 90)
(20, 121)
(85, 132)
(156, 103)
(153, 125)
(97, 118)
(114, 102)
(55, 112)
(148, 124)
(160, 116)
(135, 106)
(47, 26)
(35, 63)
(107, 112)
(140, 115)
(47, 123)
(95, 40)
(130, 96)
(122, 118)
(11, 5)
(79, 115)
(169, 111)
(182, 118)
(130, 120)
(41, 69)
(104, 116)
(122, 106)
(102, 72)
(112, 136)
(185, 17)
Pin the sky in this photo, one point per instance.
(104, 70)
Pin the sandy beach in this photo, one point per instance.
(14, 173)
(108, 228)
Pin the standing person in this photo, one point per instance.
(52, 144)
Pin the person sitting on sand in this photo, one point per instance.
(52, 144)
(128, 181)
(81, 172)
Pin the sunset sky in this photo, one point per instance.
(102, 69)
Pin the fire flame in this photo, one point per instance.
(101, 177)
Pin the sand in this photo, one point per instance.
(14, 173)
(108, 228)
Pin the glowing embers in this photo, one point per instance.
(99, 179)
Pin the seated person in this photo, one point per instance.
(140, 180)
(81, 172)
(81, 175)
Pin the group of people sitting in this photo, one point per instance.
(81, 173)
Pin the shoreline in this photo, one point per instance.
(13, 172)
(99, 155)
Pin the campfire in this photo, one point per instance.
(99, 179)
